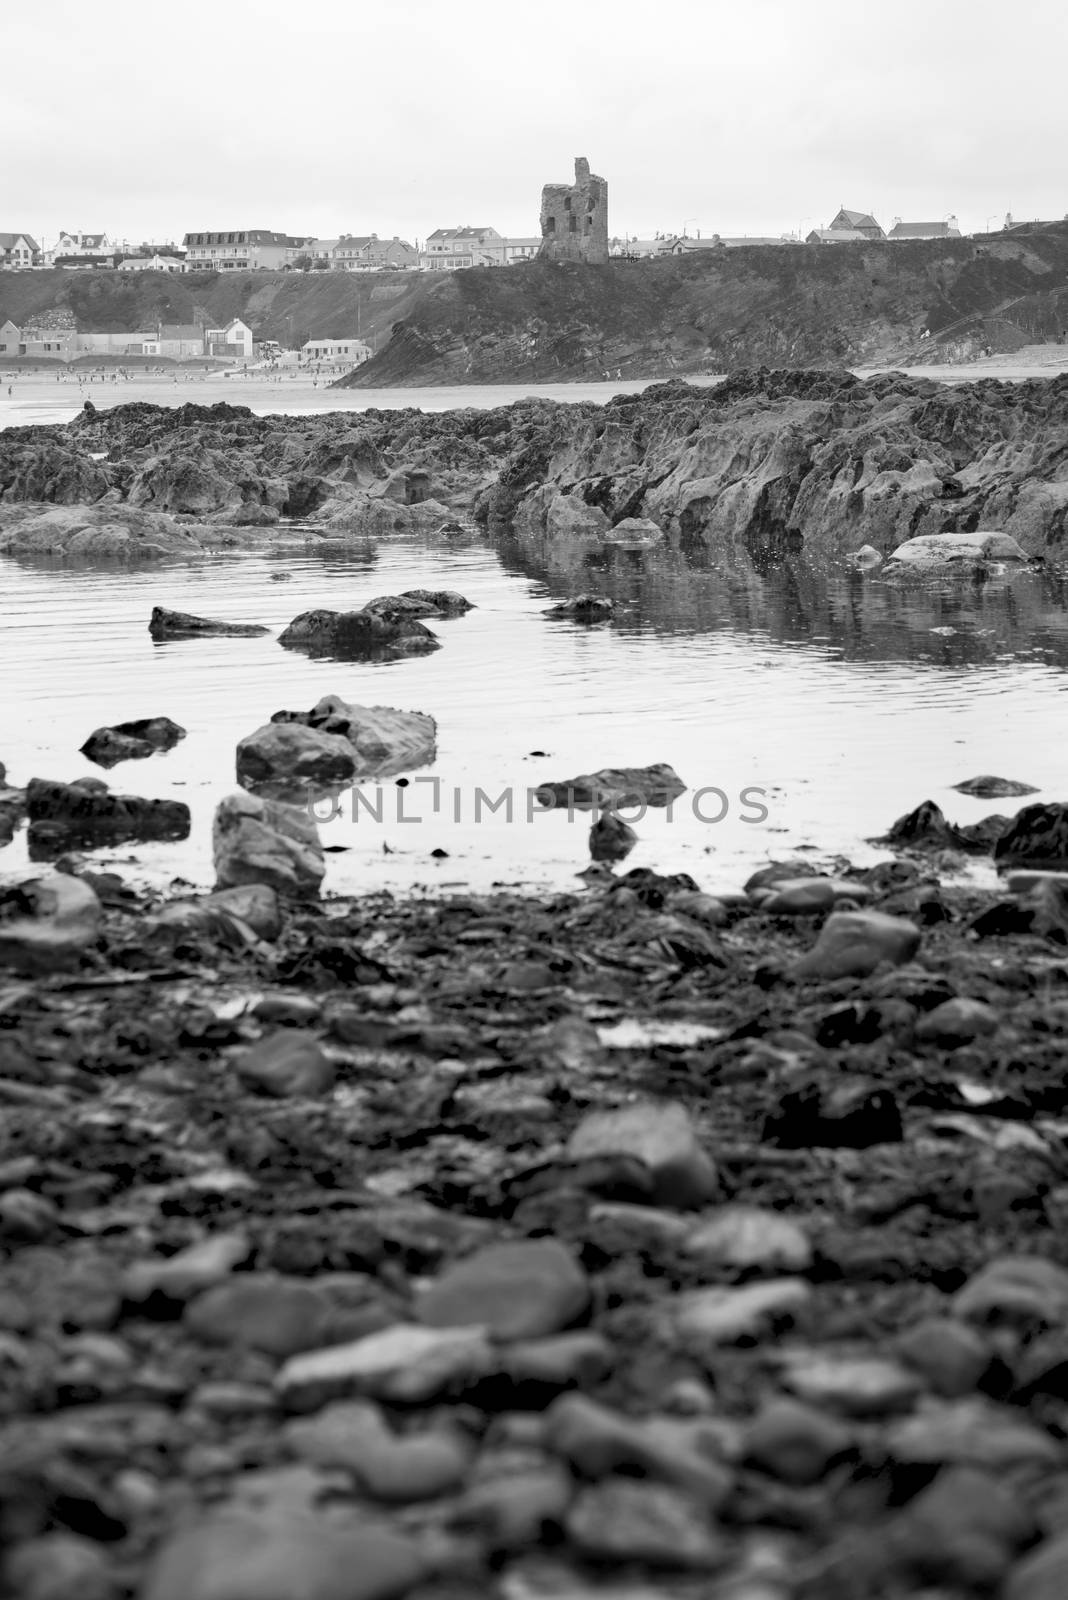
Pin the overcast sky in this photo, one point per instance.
(329, 116)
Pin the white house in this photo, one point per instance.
(351, 350)
(452, 249)
(153, 263)
(18, 251)
(234, 342)
(82, 249)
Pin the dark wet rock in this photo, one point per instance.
(286, 754)
(383, 740)
(599, 1442)
(520, 1509)
(568, 1360)
(354, 1436)
(927, 828)
(584, 608)
(988, 788)
(419, 603)
(85, 813)
(971, 1432)
(131, 741)
(805, 897)
(289, 1062)
(277, 1554)
(47, 923)
(957, 1022)
(849, 1115)
(951, 1357)
(259, 841)
(164, 624)
(1037, 837)
(615, 787)
(709, 1317)
(357, 635)
(1042, 1574)
(406, 1364)
(622, 1521)
(662, 1137)
(852, 944)
(749, 1239)
(611, 839)
(795, 1442)
(254, 904)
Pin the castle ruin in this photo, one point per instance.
(574, 218)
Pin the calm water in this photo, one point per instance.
(845, 699)
(835, 696)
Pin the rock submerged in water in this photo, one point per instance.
(609, 787)
(419, 603)
(255, 840)
(936, 551)
(383, 741)
(164, 624)
(989, 788)
(131, 741)
(85, 813)
(927, 828)
(357, 635)
(287, 755)
(583, 608)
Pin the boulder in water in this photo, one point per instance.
(934, 551)
(164, 624)
(86, 813)
(287, 754)
(131, 741)
(357, 635)
(614, 787)
(382, 739)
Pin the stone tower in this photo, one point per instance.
(574, 218)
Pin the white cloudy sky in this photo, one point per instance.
(730, 116)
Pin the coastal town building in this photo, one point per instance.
(365, 252)
(153, 263)
(351, 351)
(78, 249)
(18, 251)
(10, 338)
(453, 249)
(861, 222)
(232, 343)
(574, 218)
(837, 236)
(924, 230)
(683, 245)
(243, 250)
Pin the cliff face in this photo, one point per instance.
(288, 306)
(799, 306)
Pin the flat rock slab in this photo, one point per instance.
(614, 787)
(986, 787)
(164, 624)
(931, 551)
(85, 813)
(522, 1290)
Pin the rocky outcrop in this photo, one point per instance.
(382, 740)
(357, 635)
(86, 813)
(131, 741)
(34, 466)
(164, 624)
(110, 531)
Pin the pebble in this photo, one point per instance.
(957, 1022)
(179, 1277)
(261, 1311)
(396, 1468)
(662, 1135)
(744, 1315)
(289, 1062)
(624, 1521)
(750, 1239)
(279, 1556)
(569, 1360)
(1019, 1291)
(292, 1010)
(964, 1530)
(972, 1432)
(405, 1364)
(950, 1356)
(58, 1566)
(859, 1386)
(516, 1511)
(597, 1442)
(795, 1442)
(525, 1289)
(852, 944)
